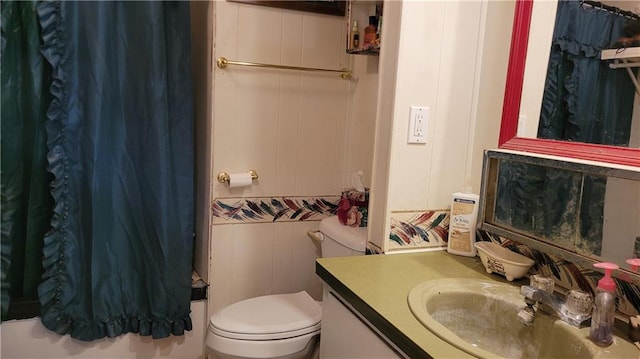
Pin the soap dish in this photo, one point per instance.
(497, 259)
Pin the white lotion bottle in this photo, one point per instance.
(462, 223)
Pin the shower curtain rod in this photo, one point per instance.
(223, 62)
(613, 9)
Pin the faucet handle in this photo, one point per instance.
(541, 282)
(579, 303)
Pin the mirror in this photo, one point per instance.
(513, 95)
(583, 212)
(569, 91)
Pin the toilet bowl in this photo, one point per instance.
(272, 326)
(279, 326)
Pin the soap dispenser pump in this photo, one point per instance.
(604, 307)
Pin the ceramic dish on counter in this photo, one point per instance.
(500, 260)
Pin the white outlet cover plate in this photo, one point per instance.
(418, 124)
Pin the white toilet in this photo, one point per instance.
(280, 326)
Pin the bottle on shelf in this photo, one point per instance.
(370, 32)
(379, 25)
(355, 35)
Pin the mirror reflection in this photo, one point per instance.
(591, 211)
(588, 90)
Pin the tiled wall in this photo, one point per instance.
(272, 209)
(418, 230)
(304, 133)
(571, 276)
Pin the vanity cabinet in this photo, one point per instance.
(346, 334)
(359, 14)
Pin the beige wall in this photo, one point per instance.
(304, 133)
(452, 58)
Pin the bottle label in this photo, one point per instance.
(462, 212)
(462, 224)
(460, 240)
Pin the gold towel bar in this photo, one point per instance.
(223, 62)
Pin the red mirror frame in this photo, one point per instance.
(511, 108)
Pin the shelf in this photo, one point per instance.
(624, 58)
(361, 11)
(369, 51)
(628, 55)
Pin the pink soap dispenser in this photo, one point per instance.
(634, 263)
(604, 307)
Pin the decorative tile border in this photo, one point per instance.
(372, 248)
(418, 229)
(272, 209)
(568, 275)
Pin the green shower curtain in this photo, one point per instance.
(116, 255)
(26, 201)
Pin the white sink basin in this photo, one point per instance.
(480, 318)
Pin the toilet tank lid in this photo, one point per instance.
(269, 314)
(351, 237)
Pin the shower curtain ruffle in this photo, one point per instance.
(576, 37)
(60, 242)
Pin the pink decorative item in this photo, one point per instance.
(353, 208)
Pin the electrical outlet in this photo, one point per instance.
(418, 120)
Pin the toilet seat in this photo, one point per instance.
(270, 317)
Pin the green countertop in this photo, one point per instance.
(377, 286)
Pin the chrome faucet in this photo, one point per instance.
(575, 310)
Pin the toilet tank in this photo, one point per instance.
(340, 240)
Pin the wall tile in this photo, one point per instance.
(257, 259)
(570, 276)
(290, 126)
(283, 257)
(221, 259)
(418, 230)
(259, 33)
(272, 209)
(287, 137)
(252, 266)
(305, 252)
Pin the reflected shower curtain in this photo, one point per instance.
(120, 148)
(584, 100)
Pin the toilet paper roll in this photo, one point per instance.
(240, 180)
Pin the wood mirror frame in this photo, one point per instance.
(511, 107)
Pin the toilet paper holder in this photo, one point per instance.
(223, 177)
